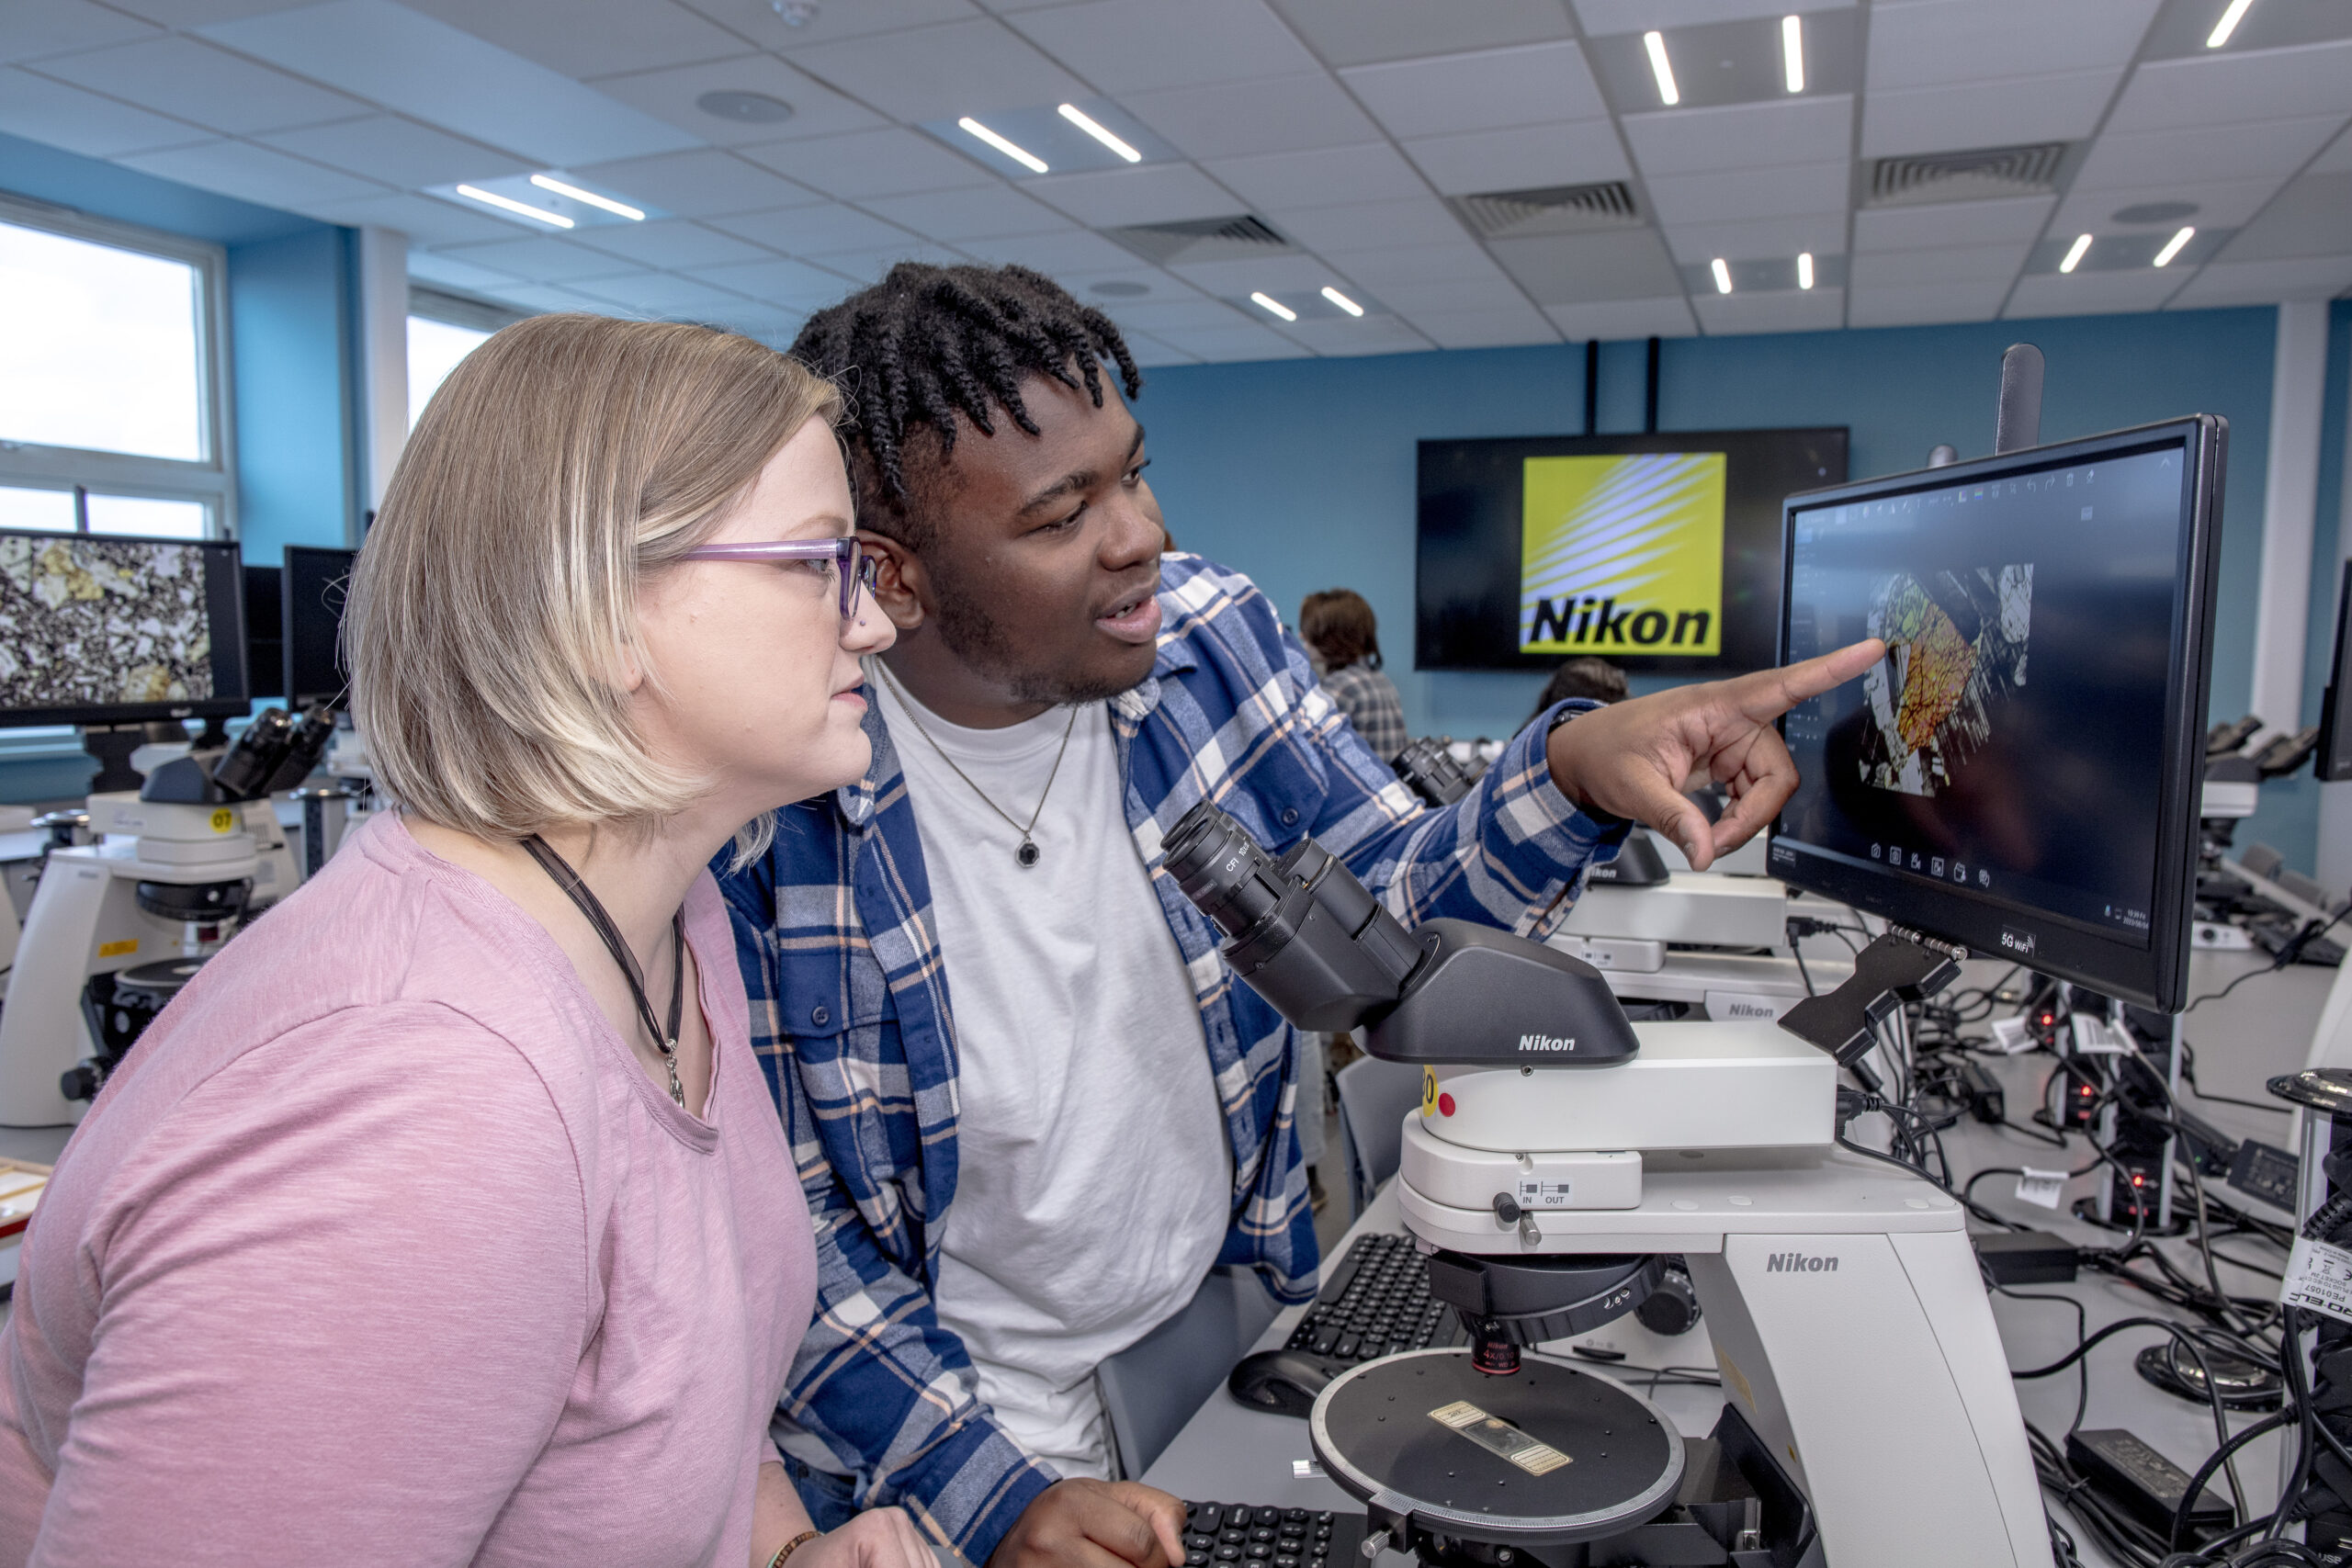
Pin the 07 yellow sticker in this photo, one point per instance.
(223, 820)
(1429, 1091)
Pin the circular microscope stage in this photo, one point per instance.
(1548, 1453)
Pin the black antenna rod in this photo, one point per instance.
(1593, 387)
(1649, 407)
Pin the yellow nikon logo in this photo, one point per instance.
(1622, 554)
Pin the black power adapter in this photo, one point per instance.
(2025, 1257)
(2142, 1482)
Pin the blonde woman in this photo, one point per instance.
(446, 1218)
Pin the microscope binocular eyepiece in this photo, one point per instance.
(1431, 772)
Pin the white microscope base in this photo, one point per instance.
(1852, 1330)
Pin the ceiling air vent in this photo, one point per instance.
(1553, 209)
(1203, 240)
(1967, 177)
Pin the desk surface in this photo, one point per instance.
(1228, 1453)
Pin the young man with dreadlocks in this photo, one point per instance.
(1011, 1188)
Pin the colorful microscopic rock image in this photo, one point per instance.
(96, 623)
(1955, 648)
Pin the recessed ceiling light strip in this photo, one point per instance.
(2228, 23)
(621, 209)
(1342, 300)
(1086, 122)
(1273, 307)
(2172, 246)
(1792, 51)
(1804, 269)
(1662, 68)
(1018, 154)
(2075, 252)
(508, 204)
(1722, 274)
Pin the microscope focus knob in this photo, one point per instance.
(1672, 1307)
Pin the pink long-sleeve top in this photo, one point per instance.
(382, 1249)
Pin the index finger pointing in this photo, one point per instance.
(1767, 693)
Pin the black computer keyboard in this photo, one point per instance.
(1237, 1535)
(1376, 1301)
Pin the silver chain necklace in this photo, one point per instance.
(1027, 855)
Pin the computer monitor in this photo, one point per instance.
(264, 632)
(317, 581)
(2022, 772)
(1659, 553)
(2333, 761)
(99, 629)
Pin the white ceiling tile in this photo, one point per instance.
(1385, 269)
(1160, 288)
(1233, 344)
(1155, 315)
(657, 293)
(1067, 252)
(1822, 233)
(1126, 46)
(934, 73)
(1951, 223)
(1786, 310)
(788, 282)
(672, 94)
(984, 213)
(426, 221)
(1730, 195)
(2337, 159)
(433, 73)
(190, 80)
(1981, 41)
(1923, 304)
(891, 162)
(1154, 193)
(1149, 352)
(2223, 204)
(1491, 291)
(1361, 32)
(1424, 221)
(764, 24)
(2248, 150)
(589, 38)
(2313, 217)
(2262, 282)
(1502, 328)
(396, 151)
(543, 297)
(1351, 339)
(1985, 114)
(675, 243)
(871, 263)
(1328, 176)
(1524, 158)
(2219, 89)
(1283, 114)
(806, 231)
(1743, 136)
(430, 266)
(1238, 280)
(542, 260)
(1613, 320)
(701, 184)
(1579, 269)
(1602, 18)
(1952, 264)
(1489, 90)
(775, 325)
(2090, 293)
(35, 27)
(252, 174)
(51, 112)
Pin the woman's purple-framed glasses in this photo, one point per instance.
(852, 566)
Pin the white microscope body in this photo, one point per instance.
(1842, 1297)
(105, 906)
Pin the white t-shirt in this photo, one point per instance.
(1095, 1180)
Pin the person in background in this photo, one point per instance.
(445, 1219)
(1338, 630)
(1596, 679)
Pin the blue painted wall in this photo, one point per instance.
(292, 288)
(1301, 472)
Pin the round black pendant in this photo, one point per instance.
(1027, 855)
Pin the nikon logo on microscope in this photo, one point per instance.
(1548, 1042)
(1799, 1263)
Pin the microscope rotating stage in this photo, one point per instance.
(1550, 1453)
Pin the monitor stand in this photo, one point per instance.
(112, 745)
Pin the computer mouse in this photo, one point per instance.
(1283, 1382)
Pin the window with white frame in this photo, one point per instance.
(442, 330)
(113, 393)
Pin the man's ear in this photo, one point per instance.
(900, 586)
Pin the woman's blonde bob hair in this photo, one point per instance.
(496, 596)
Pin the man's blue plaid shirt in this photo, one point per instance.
(850, 1019)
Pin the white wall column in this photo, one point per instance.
(383, 352)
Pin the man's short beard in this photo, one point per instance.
(975, 636)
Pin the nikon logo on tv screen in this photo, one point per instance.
(1622, 554)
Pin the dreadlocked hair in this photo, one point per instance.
(930, 343)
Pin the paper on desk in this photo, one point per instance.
(2012, 1037)
(2096, 1037)
(2319, 1279)
(2041, 1187)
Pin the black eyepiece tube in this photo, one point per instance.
(1221, 869)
